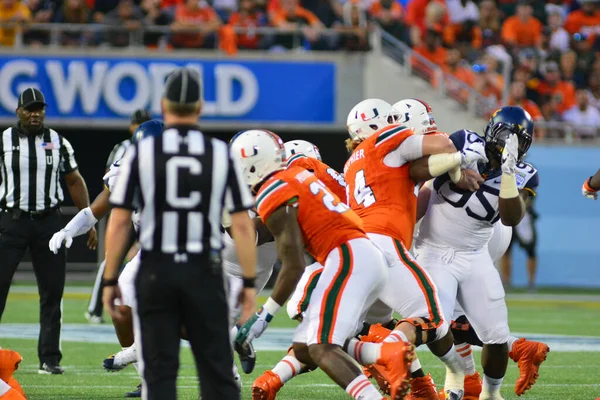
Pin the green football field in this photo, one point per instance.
(569, 323)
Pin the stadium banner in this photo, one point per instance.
(101, 88)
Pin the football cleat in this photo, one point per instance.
(120, 360)
(49, 369)
(377, 334)
(472, 388)
(247, 356)
(396, 358)
(135, 393)
(528, 355)
(422, 388)
(266, 386)
(455, 394)
(94, 319)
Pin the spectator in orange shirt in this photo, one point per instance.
(518, 98)
(562, 92)
(195, 16)
(584, 20)
(290, 17)
(433, 52)
(249, 16)
(458, 69)
(12, 11)
(522, 29)
(389, 15)
(436, 17)
(415, 12)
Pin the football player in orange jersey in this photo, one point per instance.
(381, 187)
(302, 213)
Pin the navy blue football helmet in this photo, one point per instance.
(504, 121)
(149, 128)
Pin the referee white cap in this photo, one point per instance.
(183, 86)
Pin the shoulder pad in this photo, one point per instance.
(110, 176)
(463, 137)
(527, 176)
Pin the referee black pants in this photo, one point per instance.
(191, 294)
(16, 235)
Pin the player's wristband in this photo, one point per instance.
(588, 187)
(271, 306)
(508, 186)
(455, 174)
(249, 282)
(110, 282)
(439, 164)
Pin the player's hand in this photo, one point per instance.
(247, 303)
(58, 239)
(588, 192)
(109, 295)
(254, 326)
(92, 241)
(510, 154)
(473, 154)
(470, 180)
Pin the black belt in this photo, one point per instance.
(18, 213)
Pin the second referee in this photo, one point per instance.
(180, 181)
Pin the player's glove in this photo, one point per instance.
(254, 327)
(57, 240)
(588, 191)
(510, 154)
(473, 154)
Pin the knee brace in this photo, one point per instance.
(422, 326)
(463, 332)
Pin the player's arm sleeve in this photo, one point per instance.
(410, 149)
(67, 157)
(237, 194)
(274, 194)
(127, 183)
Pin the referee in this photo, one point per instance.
(94, 311)
(32, 160)
(180, 181)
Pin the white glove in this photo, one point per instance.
(254, 327)
(57, 240)
(588, 192)
(510, 154)
(473, 154)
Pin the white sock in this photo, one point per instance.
(465, 352)
(455, 374)
(233, 333)
(361, 388)
(511, 342)
(137, 368)
(126, 356)
(415, 365)
(491, 386)
(395, 336)
(364, 352)
(287, 368)
(4, 388)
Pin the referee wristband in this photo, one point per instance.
(110, 282)
(249, 282)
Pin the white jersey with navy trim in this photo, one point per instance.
(109, 181)
(464, 220)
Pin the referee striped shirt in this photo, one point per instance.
(30, 167)
(117, 152)
(181, 181)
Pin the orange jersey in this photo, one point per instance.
(329, 176)
(383, 196)
(324, 220)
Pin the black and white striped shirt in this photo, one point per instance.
(117, 152)
(180, 181)
(31, 166)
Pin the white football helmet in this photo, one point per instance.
(303, 147)
(260, 153)
(367, 117)
(417, 115)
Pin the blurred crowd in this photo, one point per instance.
(541, 55)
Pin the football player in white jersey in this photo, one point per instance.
(83, 222)
(452, 243)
